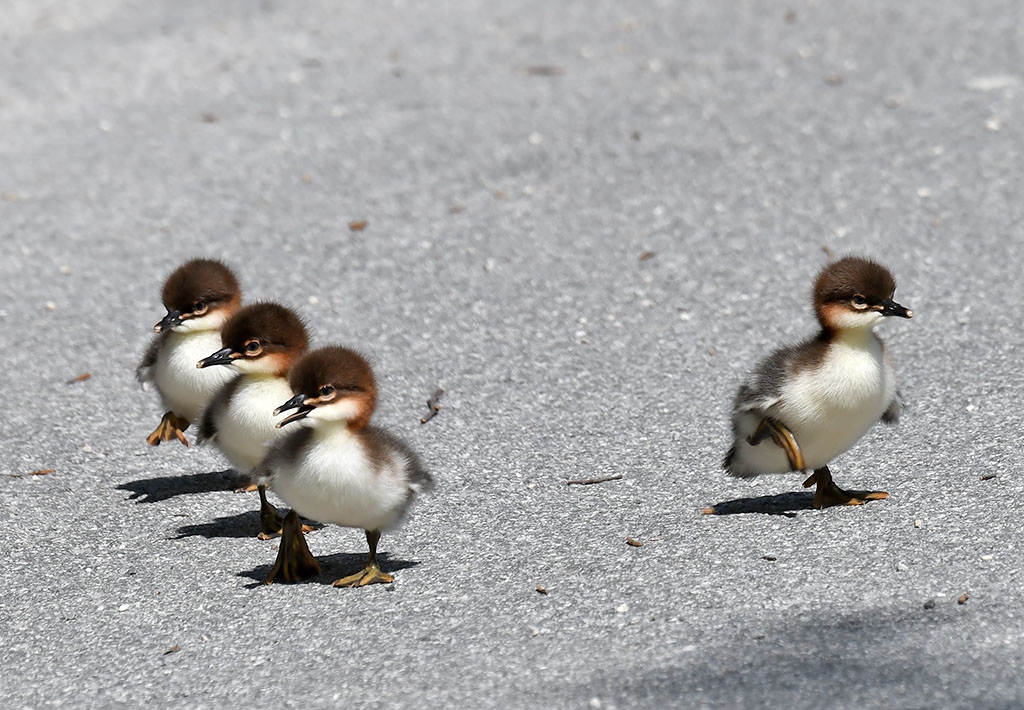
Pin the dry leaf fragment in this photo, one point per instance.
(81, 378)
(358, 225)
(173, 649)
(542, 590)
(647, 255)
(963, 599)
(987, 477)
(633, 543)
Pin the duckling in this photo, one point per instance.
(339, 469)
(261, 342)
(817, 399)
(200, 295)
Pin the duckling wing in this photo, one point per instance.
(144, 372)
(218, 403)
(382, 444)
(289, 448)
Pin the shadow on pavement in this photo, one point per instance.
(245, 524)
(332, 567)
(153, 490)
(781, 504)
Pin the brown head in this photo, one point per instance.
(263, 337)
(855, 293)
(332, 384)
(199, 295)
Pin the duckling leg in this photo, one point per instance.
(372, 573)
(828, 493)
(270, 519)
(171, 427)
(782, 437)
(294, 561)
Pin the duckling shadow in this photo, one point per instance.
(240, 525)
(332, 567)
(781, 504)
(153, 490)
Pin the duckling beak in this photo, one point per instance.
(221, 357)
(891, 308)
(297, 402)
(170, 320)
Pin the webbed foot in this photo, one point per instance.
(371, 574)
(171, 427)
(294, 561)
(828, 493)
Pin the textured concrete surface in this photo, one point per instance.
(514, 163)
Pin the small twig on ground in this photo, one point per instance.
(987, 477)
(80, 378)
(647, 255)
(37, 472)
(434, 404)
(632, 542)
(173, 649)
(591, 481)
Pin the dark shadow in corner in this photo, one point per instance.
(332, 567)
(781, 504)
(153, 490)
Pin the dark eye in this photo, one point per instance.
(859, 300)
(199, 307)
(326, 391)
(252, 346)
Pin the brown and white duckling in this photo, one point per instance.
(338, 469)
(816, 399)
(200, 295)
(261, 342)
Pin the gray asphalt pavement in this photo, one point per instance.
(585, 221)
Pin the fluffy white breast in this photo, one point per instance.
(828, 408)
(184, 388)
(335, 481)
(247, 424)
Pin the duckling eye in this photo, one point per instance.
(859, 302)
(326, 391)
(253, 346)
(199, 307)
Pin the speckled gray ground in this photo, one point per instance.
(514, 161)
